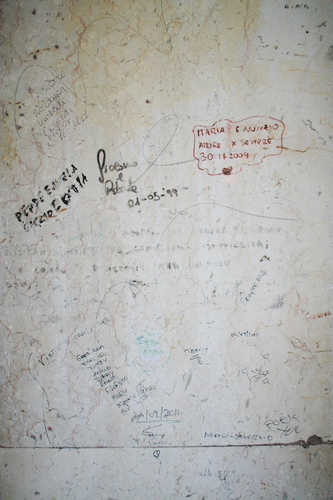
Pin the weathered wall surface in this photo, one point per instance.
(166, 249)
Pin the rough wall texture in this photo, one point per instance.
(166, 249)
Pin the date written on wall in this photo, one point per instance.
(156, 416)
(120, 183)
(226, 146)
(155, 422)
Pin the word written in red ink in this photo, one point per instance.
(225, 147)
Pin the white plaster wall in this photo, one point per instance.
(166, 249)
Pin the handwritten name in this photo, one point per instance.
(28, 213)
(257, 375)
(236, 144)
(238, 436)
(285, 424)
(117, 185)
(194, 352)
(254, 286)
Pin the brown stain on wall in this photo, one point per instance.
(318, 315)
(193, 47)
(8, 152)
